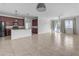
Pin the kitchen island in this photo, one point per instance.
(20, 33)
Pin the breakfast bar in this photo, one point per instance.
(20, 33)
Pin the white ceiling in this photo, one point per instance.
(53, 9)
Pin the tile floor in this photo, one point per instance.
(55, 44)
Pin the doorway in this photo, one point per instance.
(56, 26)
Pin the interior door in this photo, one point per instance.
(35, 26)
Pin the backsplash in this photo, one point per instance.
(10, 27)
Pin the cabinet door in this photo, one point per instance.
(35, 26)
(35, 22)
(21, 22)
(34, 30)
(7, 32)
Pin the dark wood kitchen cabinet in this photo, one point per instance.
(35, 26)
(7, 32)
(35, 22)
(10, 20)
(34, 30)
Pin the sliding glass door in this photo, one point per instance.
(69, 26)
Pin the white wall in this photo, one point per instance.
(44, 25)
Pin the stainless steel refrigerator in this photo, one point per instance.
(2, 29)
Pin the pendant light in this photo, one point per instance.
(16, 15)
(15, 23)
(41, 7)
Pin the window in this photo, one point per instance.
(68, 24)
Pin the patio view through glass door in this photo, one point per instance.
(69, 26)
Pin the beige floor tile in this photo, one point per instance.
(49, 44)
